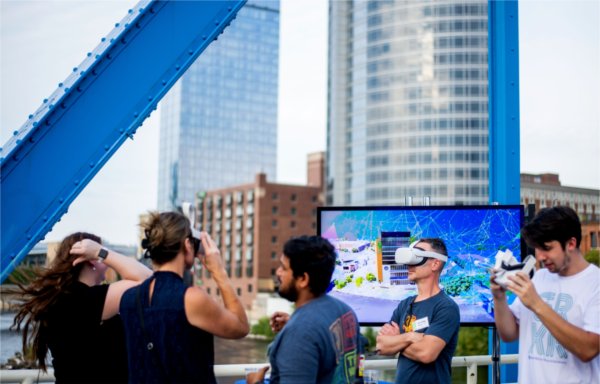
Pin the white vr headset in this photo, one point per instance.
(415, 256)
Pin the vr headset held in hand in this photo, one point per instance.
(189, 211)
(414, 256)
(506, 265)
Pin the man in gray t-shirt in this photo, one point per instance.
(319, 342)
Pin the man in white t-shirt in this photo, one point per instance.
(556, 314)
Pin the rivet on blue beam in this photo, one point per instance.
(138, 26)
(45, 101)
(135, 114)
(74, 69)
(15, 133)
(190, 52)
(177, 67)
(164, 82)
(123, 41)
(67, 89)
(97, 56)
(89, 54)
(204, 37)
(108, 56)
(94, 72)
(91, 165)
(76, 182)
(12, 255)
(130, 11)
(50, 106)
(229, 9)
(28, 237)
(149, 98)
(60, 85)
(30, 116)
(117, 25)
(63, 105)
(130, 136)
(106, 147)
(35, 123)
(216, 22)
(103, 39)
(32, 139)
(112, 40)
(121, 130)
(61, 200)
(45, 218)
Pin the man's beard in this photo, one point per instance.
(290, 294)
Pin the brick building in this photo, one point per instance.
(546, 190)
(250, 223)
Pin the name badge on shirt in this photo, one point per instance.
(421, 323)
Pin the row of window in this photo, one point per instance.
(238, 290)
(422, 158)
(390, 111)
(414, 44)
(412, 77)
(419, 28)
(442, 190)
(415, 93)
(384, 128)
(462, 9)
(425, 175)
(375, 145)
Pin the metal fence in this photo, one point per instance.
(30, 376)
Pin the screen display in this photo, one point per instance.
(367, 278)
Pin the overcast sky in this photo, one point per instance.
(40, 41)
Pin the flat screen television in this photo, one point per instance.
(367, 278)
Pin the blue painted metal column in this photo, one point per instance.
(62, 146)
(504, 129)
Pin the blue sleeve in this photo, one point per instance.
(445, 322)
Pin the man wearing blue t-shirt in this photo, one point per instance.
(318, 343)
(424, 328)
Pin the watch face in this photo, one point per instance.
(102, 254)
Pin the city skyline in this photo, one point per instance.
(560, 38)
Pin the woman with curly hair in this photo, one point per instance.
(169, 326)
(68, 311)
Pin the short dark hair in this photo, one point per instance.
(437, 244)
(555, 223)
(312, 255)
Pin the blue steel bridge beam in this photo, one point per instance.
(61, 147)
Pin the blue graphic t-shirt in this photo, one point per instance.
(319, 344)
(443, 319)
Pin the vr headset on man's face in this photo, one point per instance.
(415, 257)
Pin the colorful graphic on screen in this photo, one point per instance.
(366, 238)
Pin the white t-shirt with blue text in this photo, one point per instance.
(577, 299)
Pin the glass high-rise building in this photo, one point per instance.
(408, 102)
(219, 121)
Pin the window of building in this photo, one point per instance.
(314, 199)
(275, 196)
(239, 291)
(293, 211)
(274, 223)
(274, 210)
(250, 195)
(249, 287)
(292, 224)
(274, 239)
(273, 255)
(272, 271)
(294, 197)
(208, 290)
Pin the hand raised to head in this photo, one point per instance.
(87, 250)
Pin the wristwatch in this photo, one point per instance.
(102, 254)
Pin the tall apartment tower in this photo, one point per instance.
(219, 121)
(407, 102)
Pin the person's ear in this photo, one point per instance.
(571, 244)
(302, 281)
